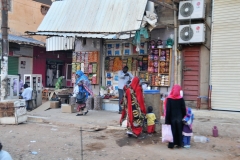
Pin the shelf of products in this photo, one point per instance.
(159, 66)
(87, 62)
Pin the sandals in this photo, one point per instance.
(85, 113)
(79, 114)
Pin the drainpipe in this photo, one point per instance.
(210, 63)
(175, 48)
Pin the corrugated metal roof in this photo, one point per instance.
(94, 16)
(23, 40)
(104, 36)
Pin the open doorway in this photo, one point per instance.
(54, 70)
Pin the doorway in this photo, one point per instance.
(191, 73)
(54, 70)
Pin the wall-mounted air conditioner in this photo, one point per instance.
(193, 9)
(193, 33)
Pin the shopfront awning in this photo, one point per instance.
(94, 16)
(23, 40)
(84, 35)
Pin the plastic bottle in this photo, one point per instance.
(215, 131)
(201, 139)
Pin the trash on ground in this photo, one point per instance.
(201, 139)
(34, 153)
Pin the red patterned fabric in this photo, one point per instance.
(135, 86)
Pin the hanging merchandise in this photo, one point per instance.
(74, 57)
(82, 67)
(117, 64)
(74, 67)
(78, 55)
(87, 63)
(94, 68)
(78, 66)
(90, 68)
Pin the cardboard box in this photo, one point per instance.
(67, 108)
(54, 104)
(109, 49)
(117, 49)
(128, 49)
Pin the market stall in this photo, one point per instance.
(152, 63)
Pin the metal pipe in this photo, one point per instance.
(81, 143)
(175, 48)
(210, 61)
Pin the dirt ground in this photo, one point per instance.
(63, 143)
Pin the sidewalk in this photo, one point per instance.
(227, 122)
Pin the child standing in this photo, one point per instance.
(150, 120)
(187, 128)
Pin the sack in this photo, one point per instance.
(167, 133)
(81, 97)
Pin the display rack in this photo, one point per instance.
(88, 62)
(159, 67)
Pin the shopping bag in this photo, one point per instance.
(167, 133)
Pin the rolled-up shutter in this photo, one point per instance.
(12, 65)
(225, 55)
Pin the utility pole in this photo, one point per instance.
(5, 48)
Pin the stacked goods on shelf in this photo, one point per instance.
(143, 76)
(107, 64)
(159, 62)
(155, 80)
(164, 61)
(145, 63)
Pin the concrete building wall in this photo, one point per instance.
(25, 15)
(205, 54)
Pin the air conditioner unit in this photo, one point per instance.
(194, 33)
(194, 9)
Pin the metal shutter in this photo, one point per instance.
(12, 65)
(225, 55)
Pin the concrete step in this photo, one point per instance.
(37, 119)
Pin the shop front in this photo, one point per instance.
(52, 65)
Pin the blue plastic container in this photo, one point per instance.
(151, 91)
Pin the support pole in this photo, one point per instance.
(81, 143)
(5, 49)
(175, 48)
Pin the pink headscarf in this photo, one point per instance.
(174, 94)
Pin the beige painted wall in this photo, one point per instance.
(25, 16)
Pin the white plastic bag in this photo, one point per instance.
(167, 133)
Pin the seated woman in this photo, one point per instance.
(82, 90)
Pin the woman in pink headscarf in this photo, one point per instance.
(175, 112)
